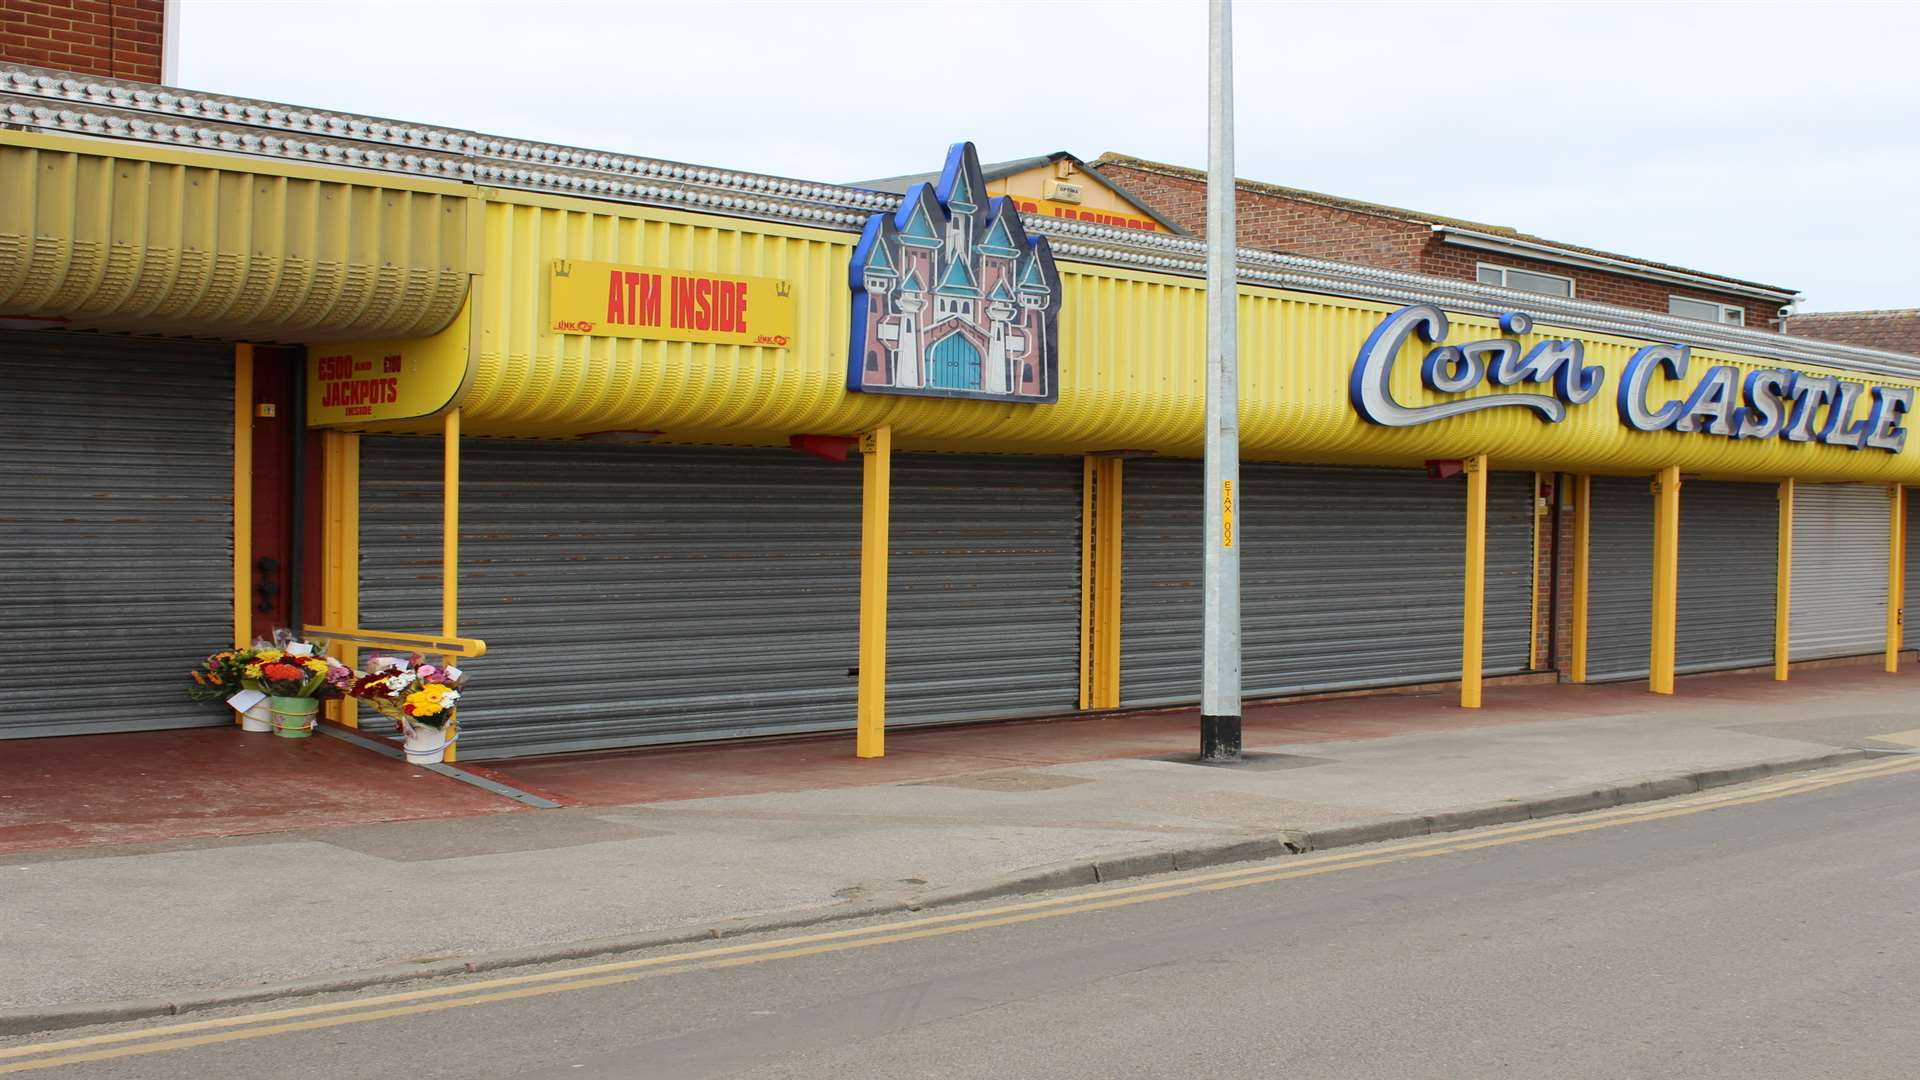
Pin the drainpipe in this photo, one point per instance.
(297, 496)
(1553, 578)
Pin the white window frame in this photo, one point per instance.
(1572, 286)
(1724, 308)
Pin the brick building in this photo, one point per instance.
(1894, 331)
(1298, 222)
(114, 39)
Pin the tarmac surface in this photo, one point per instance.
(1763, 931)
(992, 808)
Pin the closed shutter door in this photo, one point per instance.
(116, 529)
(1349, 578)
(1839, 592)
(627, 595)
(1912, 598)
(983, 614)
(1620, 578)
(1729, 555)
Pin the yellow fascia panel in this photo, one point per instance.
(375, 385)
(1132, 365)
(155, 240)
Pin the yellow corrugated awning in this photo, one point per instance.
(154, 240)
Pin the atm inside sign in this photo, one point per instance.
(611, 300)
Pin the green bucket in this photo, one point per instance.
(293, 717)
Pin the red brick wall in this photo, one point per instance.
(1276, 223)
(115, 39)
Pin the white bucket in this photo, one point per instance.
(426, 745)
(257, 717)
(253, 709)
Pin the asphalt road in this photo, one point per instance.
(1769, 932)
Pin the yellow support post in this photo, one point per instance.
(1582, 563)
(876, 482)
(1106, 610)
(242, 498)
(450, 526)
(1666, 578)
(1783, 583)
(1896, 572)
(1473, 629)
(340, 544)
(450, 532)
(1089, 577)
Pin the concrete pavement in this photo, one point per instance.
(1762, 931)
(172, 921)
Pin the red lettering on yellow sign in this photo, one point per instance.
(346, 383)
(692, 303)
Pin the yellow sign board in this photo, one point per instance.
(611, 300)
(368, 381)
(1111, 218)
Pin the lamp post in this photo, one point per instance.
(1220, 666)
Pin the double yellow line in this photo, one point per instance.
(176, 1037)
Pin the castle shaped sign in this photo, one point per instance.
(952, 299)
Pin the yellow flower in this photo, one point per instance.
(268, 656)
(429, 700)
(253, 670)
(315, 663)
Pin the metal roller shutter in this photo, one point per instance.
(627, 595)
(1620, 578)
(1349, 577)
(1729, 556)
(1839, 592)
(983, 614)
(1912, 599)
(643, 595)
(116, 528)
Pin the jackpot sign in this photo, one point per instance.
(1771, 403)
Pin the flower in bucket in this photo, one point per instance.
(220, 675)
(288, 673)
(410, 691)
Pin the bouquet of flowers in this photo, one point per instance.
(220, 675)
(410, 691)
(295, 672)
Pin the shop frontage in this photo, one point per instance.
(1728, 534)
(116, 537)
(672, 455)
(1351, 578)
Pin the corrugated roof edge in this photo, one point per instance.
(36, 98)
(1359, 206)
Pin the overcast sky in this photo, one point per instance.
(1774, 142)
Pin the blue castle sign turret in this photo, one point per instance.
(951, 298)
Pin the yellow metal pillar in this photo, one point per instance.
(1666, 578)
(876, 494)
(1473, 628)
(242, 498)
(340, 549)
(450, 532)
(1783, 583)
(1100, 583)
(1582, 563)
(1896, 573)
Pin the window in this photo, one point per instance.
(1524, 280)
(1707, 310)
